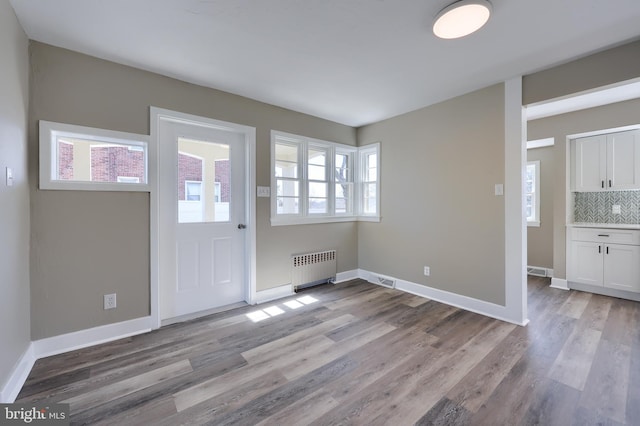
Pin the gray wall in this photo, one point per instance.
(439, 167)
(597, 70)
(90, 227)
(14, 201)
(605, 117)
(540, 238)
(600, 69)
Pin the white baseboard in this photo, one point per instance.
(89, 337)
(270, 294)
(559, 283)
(65, 343)
(12, 387)
(346, 276)
(463, 302)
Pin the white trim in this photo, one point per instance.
(515, 227)
(362, 152)
(89, 337)
(194, 315)
(459, 301)
(303, 144)
(283, 220)
(541, 143)
(604, 131)
(559, 283)
(274, 293)
(347, 276)
(612, 93)
(159, 114)
(49, 131)
(612, 292)
(18, 377)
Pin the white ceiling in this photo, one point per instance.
(350, 61)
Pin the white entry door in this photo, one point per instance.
(202, 218)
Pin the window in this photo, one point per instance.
(344, 182)
(369, 181)
(192, 190)
(532, 193)
(84, 158)
(216, 192)
(287, 177)
(316, 181)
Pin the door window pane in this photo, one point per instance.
(204, 181)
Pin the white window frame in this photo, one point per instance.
(351, 179)
(535, 220)
(217, 192)
(362, 153)
(128, 179)
(51, 131)
(331, 148)
(186, 190)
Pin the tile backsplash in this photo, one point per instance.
(597, 207)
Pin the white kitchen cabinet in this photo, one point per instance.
(606, 162)
(605, 258)
(622, 267)
(587, 266)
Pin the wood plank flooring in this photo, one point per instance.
(356, 353)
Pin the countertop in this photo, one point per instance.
(605, 225)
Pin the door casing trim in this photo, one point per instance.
(158, 115)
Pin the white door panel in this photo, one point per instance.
(202, 170)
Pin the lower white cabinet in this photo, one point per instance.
(596, 258)
(622, 267)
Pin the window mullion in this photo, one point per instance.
(331, 180)
(304, 190)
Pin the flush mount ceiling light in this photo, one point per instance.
(461, 18)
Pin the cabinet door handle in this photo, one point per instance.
(607, 250)
(609, 183)
(603, 235)
(602, 184)
(599, 249)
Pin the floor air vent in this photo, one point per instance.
(386, 282)
(313, 268)
(538, 272)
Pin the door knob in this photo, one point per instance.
(242, 226)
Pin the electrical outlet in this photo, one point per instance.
(110, 301)
(616, 209)
(427, 271)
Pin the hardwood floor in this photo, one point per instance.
(356, 353)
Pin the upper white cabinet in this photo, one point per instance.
(606, 162)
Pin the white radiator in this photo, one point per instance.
(313, 268)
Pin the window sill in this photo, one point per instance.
(94, 186)
(533, 224)
(282, 221)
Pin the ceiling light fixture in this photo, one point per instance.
(461, 18)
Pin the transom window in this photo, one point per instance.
(315, 181)
(84, 158)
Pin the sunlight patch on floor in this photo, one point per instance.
(273, 311)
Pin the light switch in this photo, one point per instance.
(616, 209)
(9, 176)
(499, 189)
(264, 191)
